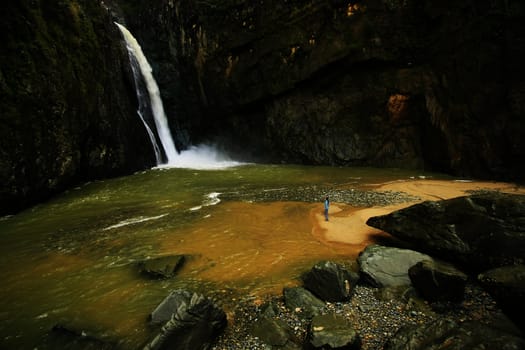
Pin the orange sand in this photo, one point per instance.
(347, 224)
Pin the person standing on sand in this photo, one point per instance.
(326, 206)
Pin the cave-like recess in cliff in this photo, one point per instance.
(310, 81)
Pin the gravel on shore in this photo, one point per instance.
(376, 314)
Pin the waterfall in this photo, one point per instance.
(196, 157)
(137, 57)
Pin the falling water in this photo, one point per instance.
(196, 157)
(158, 154)
(161, 122)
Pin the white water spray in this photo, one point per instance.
(196, 157)
(202, 157)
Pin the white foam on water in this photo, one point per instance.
(202, 157)
(132, 221)
(211, 198)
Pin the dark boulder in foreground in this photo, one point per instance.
(479, 231)
(161, 268)
(507, 286)
(194, 324)
(451, 335)
(330, 281)
(332, 332)
(275, 333)
(303, 302)
(169, 306)
(438, 281)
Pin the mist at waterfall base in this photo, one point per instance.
(196, 157)
(201, 157)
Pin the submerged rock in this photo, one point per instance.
(479, 231)
(437, 281)
(330, 281)
(386, 266)
(163, 267)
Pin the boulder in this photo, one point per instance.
(478, 232)
(302, 302)
(169, 306)
(194, 324)
(332, 332)
(330, 281)
(507, 286)
(275, 333)
(386, 266)
(438, 281)
(447, 334)
(161, 268)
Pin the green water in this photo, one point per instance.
(71, 261)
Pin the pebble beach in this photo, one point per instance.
(376, 314)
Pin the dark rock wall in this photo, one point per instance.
(67, 100)
(411, 83)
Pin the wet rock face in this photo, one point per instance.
(384, 83)
(68, 108)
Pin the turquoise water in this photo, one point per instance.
(247, 231)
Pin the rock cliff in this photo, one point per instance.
(429, 84)
(67, 100)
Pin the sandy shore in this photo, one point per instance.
(347, 225)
